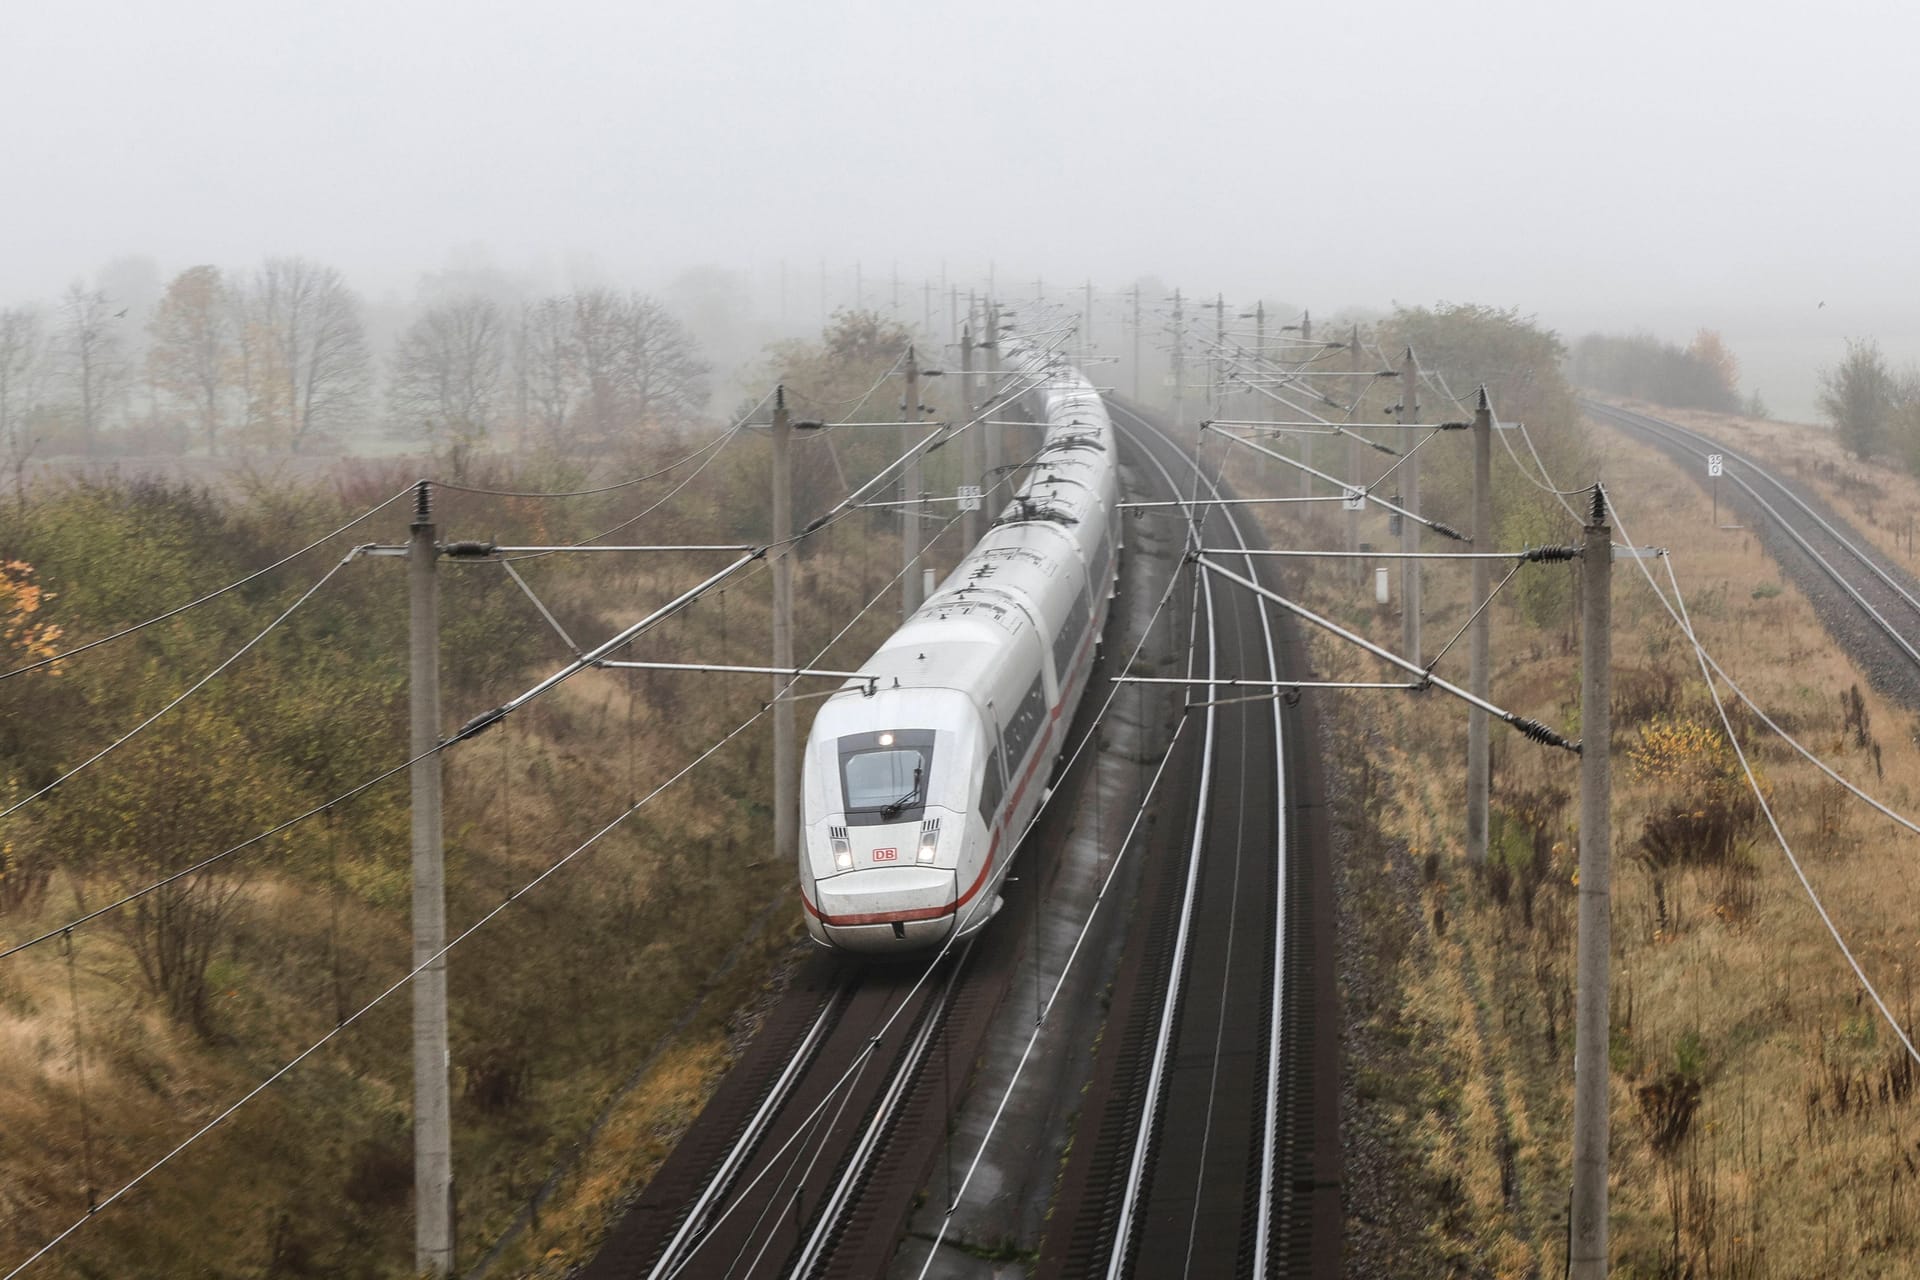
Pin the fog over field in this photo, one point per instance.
(1639, 165)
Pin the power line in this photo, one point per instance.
(717, 446)
(192, 689)
(472, 728)
(585, 493)
(211, 595)
(363, 1010)
(1760, 797)
(1707, 665)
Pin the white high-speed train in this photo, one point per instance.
(921, 774)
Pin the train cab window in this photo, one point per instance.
(884, 775)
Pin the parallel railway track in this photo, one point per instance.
(1209, 1144)
(1830, 560)
(807, 1160)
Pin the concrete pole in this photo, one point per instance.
(1410, 499)
(970, 438)
(1357, 359)
(1217, 373)
(1136, 342)
(786, 770)
(1306, 442)
(996, 442)
(432, 1120)
(1588, 1252)
(1265, 403)
(1179, 363)
(1086, 334)
(1479, 678)
(910, 491)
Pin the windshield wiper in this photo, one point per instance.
(888, 811)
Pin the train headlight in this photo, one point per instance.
(929, 839)
(842, 849)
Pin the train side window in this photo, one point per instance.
(1026, 722)
(991, 789)
(1068, 640)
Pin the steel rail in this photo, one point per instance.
(1660, 427)
(695, 1224)
(1263, 1225)
(906, 1069)
(1119, 1255)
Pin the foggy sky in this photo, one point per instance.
(1662, 166)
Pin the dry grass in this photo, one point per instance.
(1881, 501)
(681, 914)
(1801, 1155)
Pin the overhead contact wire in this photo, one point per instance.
(78, 649)
(191, 689)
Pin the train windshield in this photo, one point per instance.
(884, 775)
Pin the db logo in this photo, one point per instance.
(886, 855)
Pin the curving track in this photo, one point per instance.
(1209, 1142)
(1870, 606)
(809, 1158)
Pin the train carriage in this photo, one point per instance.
(921, 774)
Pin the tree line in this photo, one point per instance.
(280, 359)
(1702, 375)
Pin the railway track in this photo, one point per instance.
(809, 1158)
(1870, 606)
(1208, 1145)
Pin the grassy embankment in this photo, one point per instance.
(619, 983)
(1762, 1113)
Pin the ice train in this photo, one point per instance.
(921, 774)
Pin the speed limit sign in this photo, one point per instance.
(1714, 464)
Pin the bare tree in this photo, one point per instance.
(446, 378)
(638, 365)
(662, 374)
(95, 368)
(548, 366)
(22, 364)
(597, 336)
(193, 353)
(314, 347)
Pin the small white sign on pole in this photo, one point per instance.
(969, 497)
(1352, 499)
(1714, 464)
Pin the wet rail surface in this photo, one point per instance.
(809, 1157)
(1209, 1142)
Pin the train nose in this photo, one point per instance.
(888, 908)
